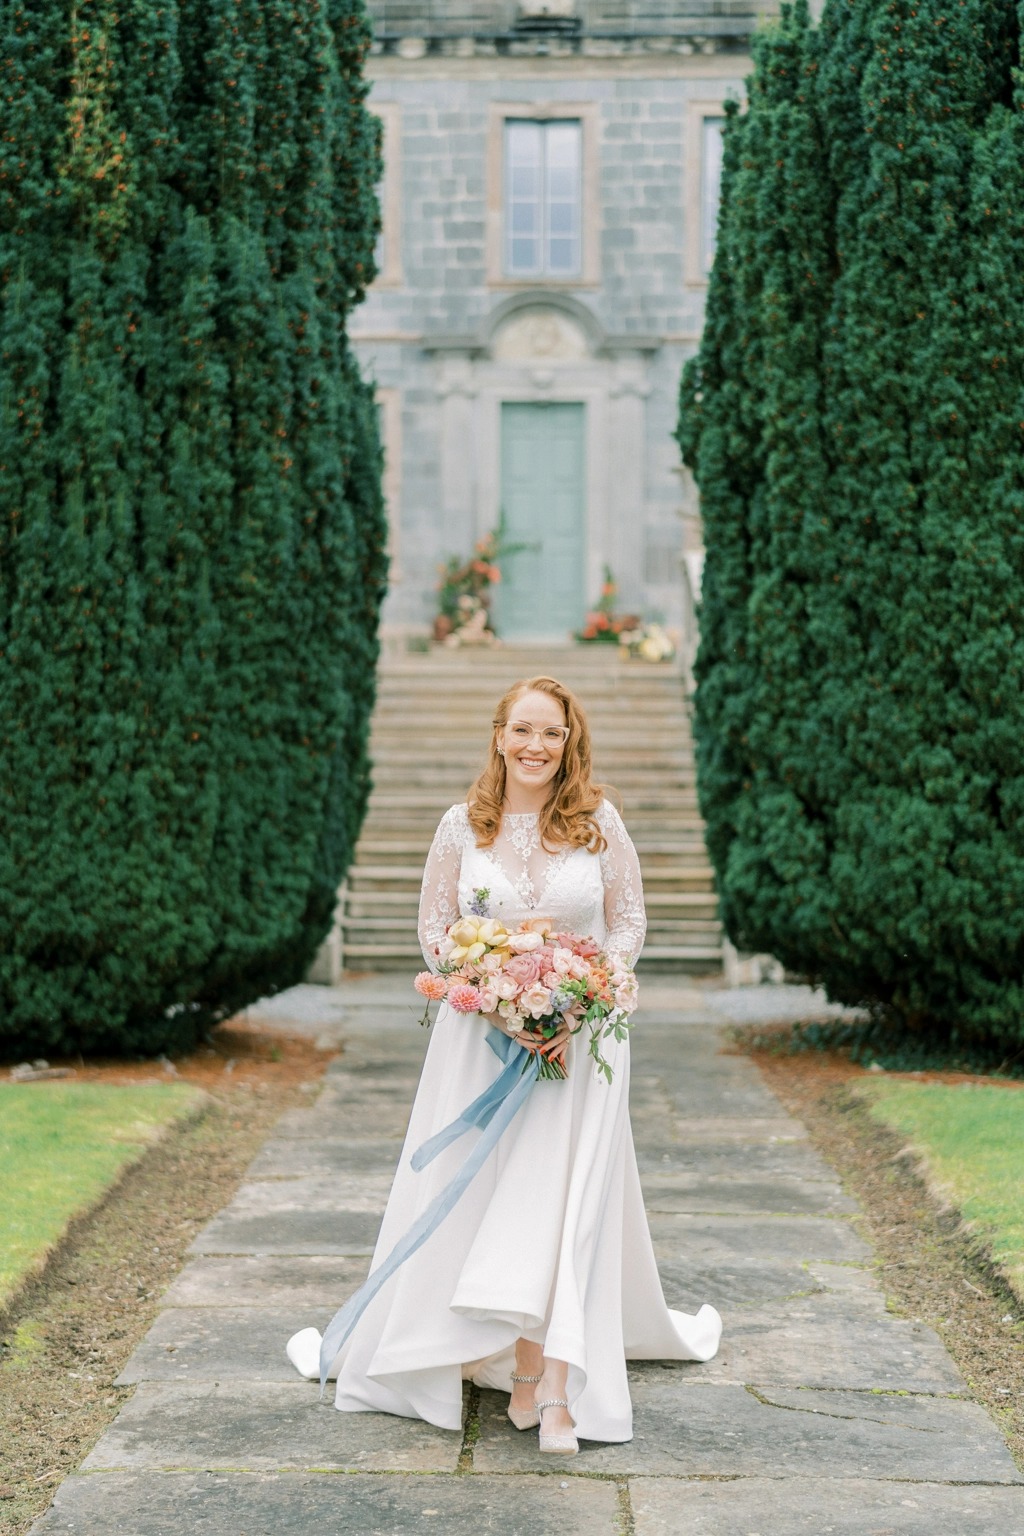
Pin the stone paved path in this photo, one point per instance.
(823, 1412)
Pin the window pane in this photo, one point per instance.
(711, 187)
(524, 255)
(562, 257)
(524, 218)
(524, 181)
(561, 220)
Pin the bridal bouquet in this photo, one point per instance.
(536, 980)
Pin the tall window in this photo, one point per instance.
(543, 197)
(710, 188)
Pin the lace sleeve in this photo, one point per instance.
(439, 893)
(624, 915)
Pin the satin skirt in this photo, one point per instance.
(550, 1242)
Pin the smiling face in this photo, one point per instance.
(533, 744)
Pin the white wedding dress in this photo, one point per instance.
(550, 1242)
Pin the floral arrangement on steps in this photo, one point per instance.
(464, 591)
(634, 637)
(648, 642)
(602, 625)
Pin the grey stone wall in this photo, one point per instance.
(446, 296)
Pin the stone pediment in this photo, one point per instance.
(540, 334)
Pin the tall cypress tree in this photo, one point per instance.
(853, 420)
(191, 554)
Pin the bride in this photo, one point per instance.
(541, 1282)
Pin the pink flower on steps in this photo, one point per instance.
(464, 998)
(431, 986)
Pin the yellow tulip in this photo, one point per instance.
(491, 931)
(475, 951)
(457, 955)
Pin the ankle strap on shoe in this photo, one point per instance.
(552, 1402)
(517, 1377)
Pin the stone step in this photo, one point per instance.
(402, 905)
(697, 959)
(695, 876)
(396, 930)
(409, 846)
(429, 739)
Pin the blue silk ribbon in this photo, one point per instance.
(495, 1108)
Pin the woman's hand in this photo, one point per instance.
(555, 1049)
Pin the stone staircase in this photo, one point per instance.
(429, 737)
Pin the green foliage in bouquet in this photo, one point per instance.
(855, 423)
(191, 545)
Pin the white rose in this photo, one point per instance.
(522, 943)
(536, 1001)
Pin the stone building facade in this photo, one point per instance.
(549, 207)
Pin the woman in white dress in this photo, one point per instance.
(541, 1282)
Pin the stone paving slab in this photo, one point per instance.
(285, 1159)
(263, 1426)
(830, 1341)
(327, 1120)
(701, 1130)
(283, 1231)
(330, 1118)
(346, 1191)
(759, 1506)
(298, 1504)
(694, 1192)
(738, 1282)
(222, 1343)
(701, 1430)
(307, 1283)
(714, 1239)
(793, 1160)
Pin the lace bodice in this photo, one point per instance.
(595, 895)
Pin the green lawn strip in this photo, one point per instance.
(62, 1145)
(971, 1138)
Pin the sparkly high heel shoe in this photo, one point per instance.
(562, 1443)
(524, 1418)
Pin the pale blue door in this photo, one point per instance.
(543, 498)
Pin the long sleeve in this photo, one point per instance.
(439, 893)
(624, 915)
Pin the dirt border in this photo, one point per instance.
(932, 1268)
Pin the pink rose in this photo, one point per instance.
(431, 986)
(586, 948)
(505, 986)
(488, 999)
(551, 979)
(490, 962)
(536, 1001)
(464, 998)
(525, 968)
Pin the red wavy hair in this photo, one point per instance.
(569, 818)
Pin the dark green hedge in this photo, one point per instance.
(855, 420)
(191, 545)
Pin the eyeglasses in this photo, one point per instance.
(521, 732)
